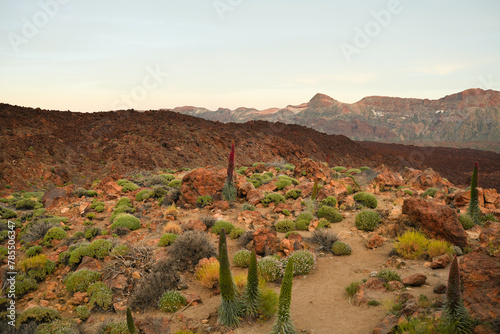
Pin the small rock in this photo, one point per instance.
(395, 262)
(376, 240)
(440, 288)
(136, 275)
(44, 302)
(386, 325)
(415, 280)
(78, 298)
(373, 274)
(440, 261)
(396, 285)
(375, 283)
(409, 307)
(457, 250)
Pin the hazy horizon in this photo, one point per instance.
(95, 56)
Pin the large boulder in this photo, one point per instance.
(426, 179)
(201, 182)
(265, 242)
(438, 221)
(480, 273)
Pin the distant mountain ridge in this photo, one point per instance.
(467, 119)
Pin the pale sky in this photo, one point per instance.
(88, 55)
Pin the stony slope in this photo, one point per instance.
(467, 119)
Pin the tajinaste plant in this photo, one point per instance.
(283, 324)
(473, 210)
(229, 190)
(252, 293)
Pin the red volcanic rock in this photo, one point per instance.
(438, 221)
(89, 263)
(265, 241)
(387, 178)
(254, 196)
(480, 275)
(313, 170)
(201, 182)
(440, 261)
(490, 195)
(462, 198)
(376, 240)
(415, 280)
(195, 225)
(428, 179)
(374, 283)
(252, 219)
(288, 246)
(387, 324)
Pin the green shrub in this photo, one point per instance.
(204, 200)
(171, 301)
(281, 184)
(367, 220)
(229, 191)
(99, 208)
(242, 258)
(248, 207)
(330, 214)
(409, 192)
(100, 248)
(126, 220)
(430, 192)
(366, 199)
(353, 171)
(100, 295)
(272, 197)
(237, 232)
(32, 251)
(290, 233)
(269, 268)
(303, 262)
(91, 215)
(124, 201)
(389, 275)
(58, 327)
(329, 201)
(80, 280)
(91, 193)
(364, 168)
(284, 225)
(26, 204)
(92, 232)
(268, 301)
(115, 328)
(466, 221)
(411, 244)
(175, 183)
(339, 169)
(323, 223)
(222, 224)
(167, 239)
(294, 193)
(7, 213)
(307, 216)
(438, 248)
(39, 314)
(24, 284)
(127, 185)
(144, 195)
(82, 312)
(352, 288)
(340, 248)
(302, 225)
(96, 203)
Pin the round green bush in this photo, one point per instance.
(389, 275)
(339, 169)
(340, 248)
(242, 258)
(82, 312)
(33, 251)
(303, 262)
(167, 239)
(175, 183)
(55, 233)
(24, 284)
(367, 220)
(124, 201)
(144, 195)
(272, 197)
(366, 199)
(26, 204)
(100, 248)
(302, 225)
(65, 326)
(330, 214)
(466, 221)
(269, 268)
(329, 201)
(294, 193)
(284, 225)
(323, 223)
(204, 200)
(39, 314)
(408, 191)
(171, 301)
(222, 224)
(92, 232)
(430, 192)
(100, 295)
(126, 220)
(248, 207)
(80, 280)
(99, 208)
(307, 216)
(354, 171)
(237, 232)
(281, 184)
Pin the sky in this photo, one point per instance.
(88, 55)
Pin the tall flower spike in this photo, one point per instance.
(453, 291)
(231, 307)
(252, 294)
(283, 324)
(473, 210)
(230, 164)
(130, 322)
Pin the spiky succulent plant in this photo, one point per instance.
(231, 308)
(473, 210)
(456, 315)
(130, 322)
(283, 324)
(252, 293)
(228, 190)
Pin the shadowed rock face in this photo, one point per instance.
(438, 221)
